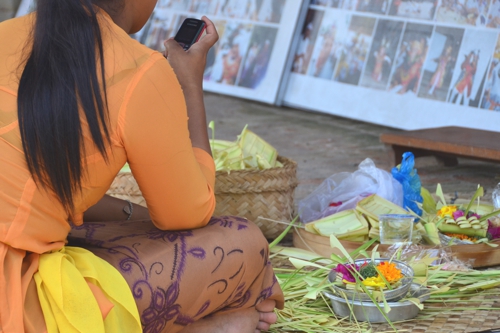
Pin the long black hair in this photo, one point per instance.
(62, 80)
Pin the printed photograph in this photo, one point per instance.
(410, 59)
(204, 7)
(423, 9)
(159, 28)
(307, 38)
(174, 4)
(326, 3)
(324, 54)
(471, 67)
(239, 9)
(271, 10)
(257, 58)
(214, 54)
(382, 54)
(231, 49)
(373, 6)
(471, 12)
(441, 59)
(491, 95)
(353, 49)
(349, 4)
(493, 20)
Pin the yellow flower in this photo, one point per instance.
(374, 282)
(447, 211)
(390, 272)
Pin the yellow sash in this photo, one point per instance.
(67, 301)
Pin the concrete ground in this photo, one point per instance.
(323, 145)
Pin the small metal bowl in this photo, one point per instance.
(368, 311)
(390, 295)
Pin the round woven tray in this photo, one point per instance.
(257, 195)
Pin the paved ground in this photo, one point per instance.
(323, 145)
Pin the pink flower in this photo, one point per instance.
(457, 214)
(473, 214)
(493, 231)
(347, 271)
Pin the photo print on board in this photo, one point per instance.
(423, 9)
(382, 54)
(326, 3)
(174, 4)
(215, 53)
(231, 49)
(271, 11)
(410, 58)
(373, 6)
(471, 67)
(307, 40)
(353, 49)
(324, 55)
(161, 26)
(491, 95)
(471, 12)
(493, 18)
(441, 59)
(257, 57)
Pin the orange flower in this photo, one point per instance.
(390, 272)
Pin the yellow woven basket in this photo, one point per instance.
(258, 195)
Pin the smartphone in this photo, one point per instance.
(190, 32)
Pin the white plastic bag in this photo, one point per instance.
(344, 190)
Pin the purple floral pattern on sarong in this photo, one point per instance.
(154, 263)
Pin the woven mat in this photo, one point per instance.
(453, 321)
(449, 321)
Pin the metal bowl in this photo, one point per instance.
(390, 295)
(368, 311)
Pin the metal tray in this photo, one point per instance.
(368, 311)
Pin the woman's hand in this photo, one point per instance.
(189, 65)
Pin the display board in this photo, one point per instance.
(400, 63)
(255, 42)
(25, 7)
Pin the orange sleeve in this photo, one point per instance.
(176, 179)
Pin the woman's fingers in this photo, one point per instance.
(211, 36)
(171, 47)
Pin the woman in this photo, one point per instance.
(78, 99)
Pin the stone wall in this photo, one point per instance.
(8, 8)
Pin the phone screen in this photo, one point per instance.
(189, 32)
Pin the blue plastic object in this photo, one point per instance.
(406, 174)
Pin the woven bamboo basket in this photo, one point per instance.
(125, 187)
(258, 195)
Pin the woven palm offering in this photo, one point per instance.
(392, 278)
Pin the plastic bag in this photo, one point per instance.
(408, 177)
(344, 190)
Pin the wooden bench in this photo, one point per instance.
(446, 143)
